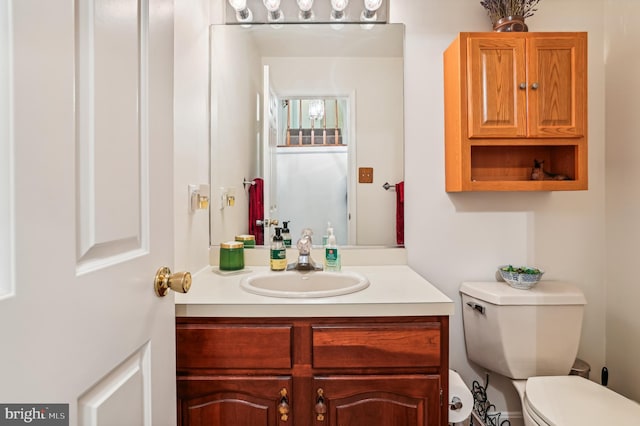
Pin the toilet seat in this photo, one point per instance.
(576, 401)
(530, 415)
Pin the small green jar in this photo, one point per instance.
(231, 256)
(248, 240)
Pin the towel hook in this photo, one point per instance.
(246, 182)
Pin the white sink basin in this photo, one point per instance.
(298, 284)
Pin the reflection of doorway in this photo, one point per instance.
(313, 166)
(312, 190)
(269, 155)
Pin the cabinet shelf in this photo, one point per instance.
(515, 163)
(511, 99)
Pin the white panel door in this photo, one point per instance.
(269, 161)
(86, 219)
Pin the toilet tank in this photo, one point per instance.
(522, 333)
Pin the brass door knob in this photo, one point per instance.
(165, 280)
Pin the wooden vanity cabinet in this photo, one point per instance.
(510, 99)
(312, 371)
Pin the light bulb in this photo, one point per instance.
(243, 14)
(271, 5)
(338, 7)
(306, 14)
(372, 5)
(238, 4)
(305, 5)
(369, 12)
(273, 9)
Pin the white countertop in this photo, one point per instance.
(395, 290)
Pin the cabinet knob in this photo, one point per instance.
(283, 406)
(321, 407)
(535, 86)
(523, 86)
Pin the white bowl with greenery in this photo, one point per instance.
(520, 277)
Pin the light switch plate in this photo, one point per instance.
(365, 175)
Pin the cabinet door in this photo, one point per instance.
(234, 401)
(557, 86)
(497, 94)
(399, 400)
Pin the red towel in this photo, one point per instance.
(256, 210)
(400, 213)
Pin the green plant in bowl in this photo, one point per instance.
(521, 277)
(520, 270)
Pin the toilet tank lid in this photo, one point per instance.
(543, 293)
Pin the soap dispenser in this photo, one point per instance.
(278, 257)
(325, 237)
(286, 234)
(331, 253)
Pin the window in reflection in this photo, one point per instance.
(312, 122)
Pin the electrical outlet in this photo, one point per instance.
(365, 175)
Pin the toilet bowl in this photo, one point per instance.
(532, 336)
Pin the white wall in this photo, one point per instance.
(191, 131)
(456, 237)
(622, 62)
(236, 82)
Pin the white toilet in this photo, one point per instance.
(532, 337)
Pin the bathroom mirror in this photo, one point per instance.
(265, 79)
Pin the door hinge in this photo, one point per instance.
(441, 397)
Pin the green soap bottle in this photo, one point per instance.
(331, 253)
(286, 234)
(278, 258)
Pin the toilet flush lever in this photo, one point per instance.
(477, 307)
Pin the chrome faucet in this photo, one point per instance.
(305, 262)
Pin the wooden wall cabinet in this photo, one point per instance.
(510, 99)
(312, 371)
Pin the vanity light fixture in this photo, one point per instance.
(305, 14)
(279, 12)
(337, 9)
(370, 8)
(243, 13)
(273, 9)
